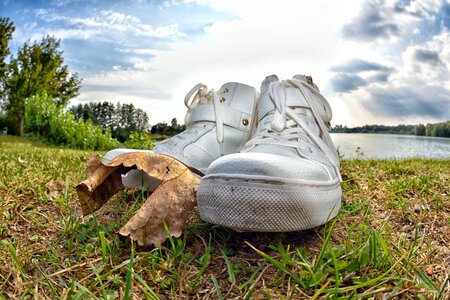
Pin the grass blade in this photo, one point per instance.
(150, 291)
(324, 246)
(278, 265)
(129, 275)
(15, 259)
(50, 285)
(103, 245)
(230, 269)
(216, 285)
(252, 277)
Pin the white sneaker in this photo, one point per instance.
(217, 123)
(287, 177)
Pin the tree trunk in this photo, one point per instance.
(21, 122)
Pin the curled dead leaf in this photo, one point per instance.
(170, 204)
(102, 183)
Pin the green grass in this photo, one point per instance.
(390, 240)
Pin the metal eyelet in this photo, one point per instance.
(245, 121)
(222, 99)
(225, 90)
(309, 80)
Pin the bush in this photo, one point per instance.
(48, 121)
(139, 140)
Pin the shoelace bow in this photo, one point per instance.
(284, 127)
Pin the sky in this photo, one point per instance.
(377, 62)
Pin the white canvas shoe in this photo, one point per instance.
(217, 123)
(287, 177)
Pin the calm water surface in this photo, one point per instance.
(391, 146)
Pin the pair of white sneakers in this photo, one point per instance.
(268, 159)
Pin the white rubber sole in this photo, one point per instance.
(267, 205)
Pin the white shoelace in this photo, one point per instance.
(205, 96)
(287, 128)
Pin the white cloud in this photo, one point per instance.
(286, 38)
(209, 3)
(143, 51)
(382, 21)
(424, 8)
(142, 64)
(417, 92)
(428, 62)
(106, 26)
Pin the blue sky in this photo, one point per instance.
(384, 62)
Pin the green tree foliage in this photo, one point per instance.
(129, 120)
(164, 129)
(438, 129)
(419, 130)
(139, 140)
(6, 31)
(45, 119)
(121, 119)
(399, 129)
(36, 69)
(441, 129)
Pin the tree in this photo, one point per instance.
(6, 31)
(37, 69)
(141, 120)
(160, 128)
(129, 119)
(122, 119)
(174, 123)
(419, 130)
(164, 129)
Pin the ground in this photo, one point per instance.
(390, 239)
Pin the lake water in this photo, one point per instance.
(380, 146)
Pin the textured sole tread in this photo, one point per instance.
(267, 207)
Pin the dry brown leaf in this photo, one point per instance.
(102, 183)
(171, 203)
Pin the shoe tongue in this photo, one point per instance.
(265, 105)
(294, 99)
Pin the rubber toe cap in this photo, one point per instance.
(269, 165)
